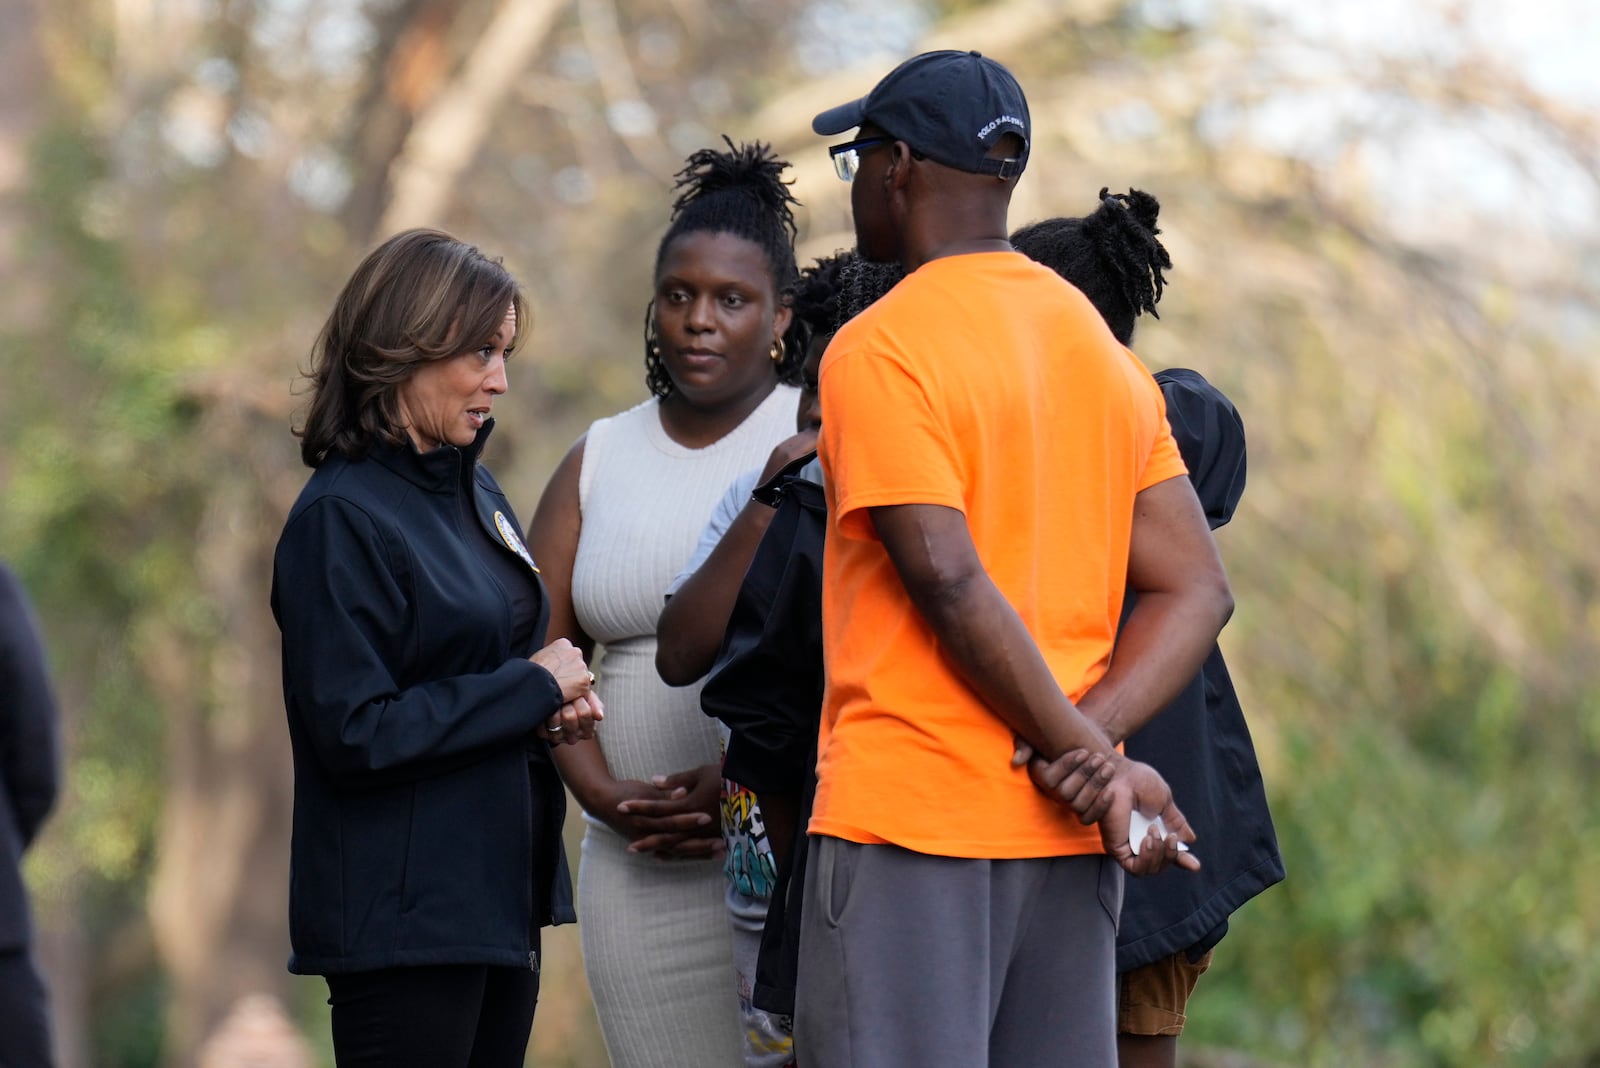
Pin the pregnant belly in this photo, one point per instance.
(650, 728)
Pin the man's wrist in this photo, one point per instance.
(1104, 719)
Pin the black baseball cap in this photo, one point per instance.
(950, 106)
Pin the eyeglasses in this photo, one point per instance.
(847, 157)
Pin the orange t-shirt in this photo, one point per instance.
(986, 384)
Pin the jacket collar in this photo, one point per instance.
(440, 470)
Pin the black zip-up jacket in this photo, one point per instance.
(767, 686)
(1200, 742)
(423, 800)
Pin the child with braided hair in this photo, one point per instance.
(1200, 743)
(1112, 255)
(618, 519)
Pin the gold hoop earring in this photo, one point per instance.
(777, 350)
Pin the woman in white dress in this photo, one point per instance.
(619, 518)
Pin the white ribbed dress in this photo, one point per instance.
(656, 942)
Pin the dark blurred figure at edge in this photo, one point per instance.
(30, 763)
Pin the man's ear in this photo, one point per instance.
(898, 173)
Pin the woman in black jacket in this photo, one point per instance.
(426, 849)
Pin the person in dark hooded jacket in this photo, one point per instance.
(1200, 742)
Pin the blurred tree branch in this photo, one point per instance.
(452, 128)
(410, 60)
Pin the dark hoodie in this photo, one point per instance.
(1200, 742)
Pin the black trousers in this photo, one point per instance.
(24, 1012)
(442, 1016)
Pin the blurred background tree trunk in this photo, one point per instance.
(218, 889)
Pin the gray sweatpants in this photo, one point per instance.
(909, 959)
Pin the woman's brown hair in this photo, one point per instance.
(418, 297)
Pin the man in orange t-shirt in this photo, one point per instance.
(997, 469)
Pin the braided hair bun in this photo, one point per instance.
(1112, 255)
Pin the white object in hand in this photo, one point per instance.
(1139, 824)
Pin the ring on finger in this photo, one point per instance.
(553, 730)
(591, 678)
